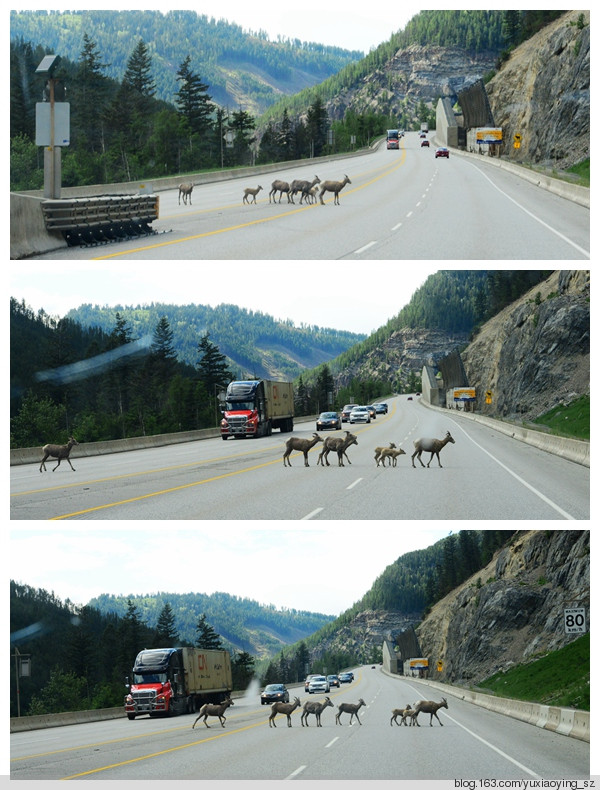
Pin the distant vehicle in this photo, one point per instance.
(424, 127)
(425, 143)
(442, 152)
(422, 134)
(393, 138)
(346, 677)
(274, 692)
(381, 408)
(318, 684)
(333, 680)
(360, 414)
(308, 679)
(346, 411)
(372, 412)
(329, 420)
(409, 397)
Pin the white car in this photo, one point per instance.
(360, 414)
(318, 684)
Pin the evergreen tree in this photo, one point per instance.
(242, 669)
(192, 99)
(166, 632)
(317, 123)
(207, 638)
(90, 94)
(212, 366)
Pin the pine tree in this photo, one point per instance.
(192, 99)
(212, 366)
(90, 94)
(207, 638)
(166, 632)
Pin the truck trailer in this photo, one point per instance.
(167, 681)
(254, 408)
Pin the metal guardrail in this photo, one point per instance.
(103, 219)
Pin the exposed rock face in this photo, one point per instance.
(534, 354)
(512, 610)
(413, 74)
(543, 94)
(366, 631)
(405, 351)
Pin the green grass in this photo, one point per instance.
(582, 171)
(572, 420)
(561, 678)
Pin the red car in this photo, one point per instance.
(425, 143)
(442, 152)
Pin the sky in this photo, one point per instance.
(287, 289)
(285, 566)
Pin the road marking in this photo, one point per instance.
(399, 225)
(355, 483)
(337, 737)
(366, 247)
(527, 485)
(585, 253)
(314, 512)
(296, 772)
(409, 214)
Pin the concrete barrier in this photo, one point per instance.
(33, 455)
(564, 721)
(25, 723)
(574, 450)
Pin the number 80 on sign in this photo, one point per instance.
(575, 621)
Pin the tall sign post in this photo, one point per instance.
(52, 128)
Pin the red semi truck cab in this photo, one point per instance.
(254, 408)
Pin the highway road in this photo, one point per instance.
(400, 205)
(472, 743)
(485, 475)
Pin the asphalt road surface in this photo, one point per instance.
(485, 475)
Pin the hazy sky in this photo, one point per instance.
(288, 289)
(280, 565)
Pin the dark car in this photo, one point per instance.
(346, 411)
(442, 152)
(274, 692)
(329, 420)
(372, 412)
(425, 143)
(346, 677)
(333, 680)
(381, 408)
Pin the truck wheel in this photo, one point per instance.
(224, 437)
(131, 716)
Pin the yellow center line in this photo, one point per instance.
(248, 224)
(164, 751)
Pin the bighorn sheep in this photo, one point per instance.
(347, 707)
(250, 191)
(284, 707)
(426, 706)
(315, 707)
(303, 186)
(335, 187)
(214, 710)
(60, 451)
(379, 450)
(403, 712)
(281, 187)
(185, 189)
(337, 445)
(391, 453)
(432, 446)
(303, 445)
(312, 195)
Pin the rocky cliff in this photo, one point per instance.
(535, 353)
(511, 611)
(543, 94)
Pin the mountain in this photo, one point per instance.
(255, 343)
(242, 68)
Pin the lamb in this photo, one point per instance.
(284, 707)
(426, 706)
(337, 445)
(392, 454)
(60, 451)
(281, 187)
(304, 445)
(250, 191)
(315, 707)
(335, 187)
(347, 707)
(304, 187)
(432, 446)
(312, 195)
(403, 712)
(185, 189)
(378, 451)
(214, 710)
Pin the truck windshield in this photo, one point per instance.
(240, 405)
(155, 677)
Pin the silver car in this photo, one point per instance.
(360, 414)
(318, 684)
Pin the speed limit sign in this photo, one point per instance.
(575, 621)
